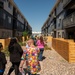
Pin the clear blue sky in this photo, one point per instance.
(35, 11)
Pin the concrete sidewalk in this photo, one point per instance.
(53, 64)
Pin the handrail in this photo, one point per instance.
(69, 20)
(65, 2)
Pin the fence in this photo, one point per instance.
(5, 42)
(66, 48)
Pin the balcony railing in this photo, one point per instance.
(15, 14)
(1, 4)
(66, 2)
(69, 21)
(2, 0)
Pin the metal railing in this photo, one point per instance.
(69, 21)
(65, 2)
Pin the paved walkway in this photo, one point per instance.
(53, 64)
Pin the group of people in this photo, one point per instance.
(30, 54)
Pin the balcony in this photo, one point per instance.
(2, 0)
(1, 4)
(69, 4)
(15, 13)
(53, 27)
(69, 21)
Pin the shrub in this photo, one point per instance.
(22, 44)
(47, 48)
(6, 51)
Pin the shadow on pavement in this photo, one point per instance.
(43, 57)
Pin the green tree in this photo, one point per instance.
(25, 34)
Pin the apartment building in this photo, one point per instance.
(45, 27)
(12, 21)
(61, 20)
(60, 13)
(50, 23)
(69, 20)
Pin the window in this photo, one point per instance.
(52, 34)
(9, 5)
(5, 0)
(62, 34)
(62, 1)
(59, 35)
(59, 23)
(9, 19)
(4, 16)
(3, 34)
(1, 4)
(18, 15)
(22, 27)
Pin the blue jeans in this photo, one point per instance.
(40, 54)
(1, 72)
